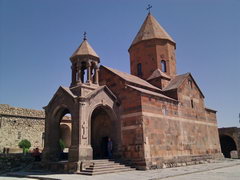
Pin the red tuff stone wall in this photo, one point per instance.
(150, 53)
(176, 132)
(130, 102)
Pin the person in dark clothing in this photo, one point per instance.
(109, 148)
(36, 154)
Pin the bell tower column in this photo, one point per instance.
(89, 79)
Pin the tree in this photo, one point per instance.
(25, 145)
(62, 144)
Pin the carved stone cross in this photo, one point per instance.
(84, 130)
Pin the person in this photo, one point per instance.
(109, 148)
(36, 154)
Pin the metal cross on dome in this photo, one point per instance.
(85, 36)
(149, 8)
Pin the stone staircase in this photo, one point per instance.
(103, 166)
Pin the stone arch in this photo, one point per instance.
(103, 123)
(54, 114)
(228, 144)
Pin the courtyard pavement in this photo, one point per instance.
(219, 170)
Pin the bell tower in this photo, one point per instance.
(152, 52)
(85, 65)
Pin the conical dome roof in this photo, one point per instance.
(85, 50)
(151, 29)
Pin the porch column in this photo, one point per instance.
(80, 150)
(85, 149)
(51, 147)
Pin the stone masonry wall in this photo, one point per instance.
(131, 129)
(20, 123)
(179, 132)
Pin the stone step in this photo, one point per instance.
(101, 163)
(107, 167)
(103, 166)
(105, 172)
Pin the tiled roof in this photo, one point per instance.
(176, 82)
(85, 49)
(151, 29)
(131, 78)
(158, 73)
(150, 92)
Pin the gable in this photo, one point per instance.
(178, 82)
(60, 94)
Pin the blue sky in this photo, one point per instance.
(37, 37)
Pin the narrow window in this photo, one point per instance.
(192, 104)
(190, 83)
(163, 65)
(139, 69)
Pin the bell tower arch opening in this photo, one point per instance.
(102, 128)
(227, 145)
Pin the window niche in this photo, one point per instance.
(163, 66)
(139, 69)
(190, 83)
(164, 111)
(192, 104)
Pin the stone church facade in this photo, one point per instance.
(153, 116)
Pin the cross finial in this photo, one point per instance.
(85, 36)
(149, 8)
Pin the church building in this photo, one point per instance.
(154, 116)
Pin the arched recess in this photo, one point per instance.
(103, 126)
(65, 134)
(227, 145)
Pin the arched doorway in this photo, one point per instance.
(102, 128)
(227, 145)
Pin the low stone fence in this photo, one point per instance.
(14, 162)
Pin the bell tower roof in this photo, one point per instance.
(151, 29)
(85, 49)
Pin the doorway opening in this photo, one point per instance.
(227, 145)
(102, 128)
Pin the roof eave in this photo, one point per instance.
(140, 41)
